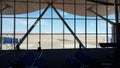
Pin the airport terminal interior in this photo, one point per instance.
(59, 33)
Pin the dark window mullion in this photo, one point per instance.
(27, 23)
(1, 26)
(107, 22)
(39, 24)
(96, 25)
(63, 27)
(85, 23)
(51, 28)
(14, 29)
(74, 22)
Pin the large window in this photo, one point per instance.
(50, 32)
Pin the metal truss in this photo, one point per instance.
(64, 22)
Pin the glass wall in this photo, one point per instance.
(51, 31)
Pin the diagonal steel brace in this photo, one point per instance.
(64, 22)
(31, 28)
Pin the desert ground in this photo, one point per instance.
(56, 41)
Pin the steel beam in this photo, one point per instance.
(64, 22)
(31, 28)
(112, 23)
(103, 3)
(2, 9)
(116, 11)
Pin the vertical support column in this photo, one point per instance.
(116, 27)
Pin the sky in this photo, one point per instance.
(21, 24)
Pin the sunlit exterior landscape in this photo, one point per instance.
(58, 42)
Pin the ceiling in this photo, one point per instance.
(71, 6)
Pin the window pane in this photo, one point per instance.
(7, 33)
